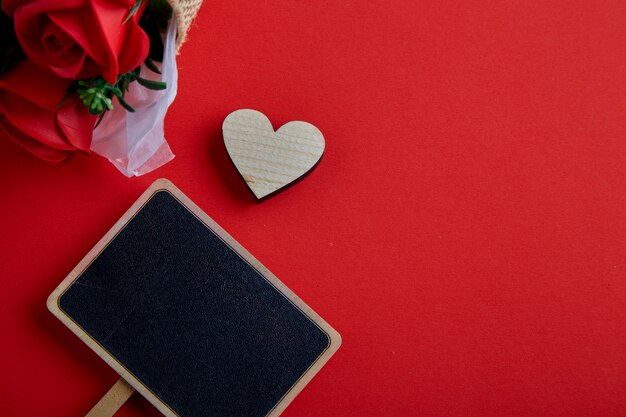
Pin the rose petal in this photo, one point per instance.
(41, 7)
(9, 6)
(48, 90)
(86, 34)
(136, 47)
(95, 25)
(39, 149)
(73, 65)
(135, 52)
(59, 45)
(34, 121)
(98, 36)
(30, 20)
(77, 125)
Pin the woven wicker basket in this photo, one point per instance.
(186, 11)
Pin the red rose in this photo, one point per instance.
(29, 115)
(79, 39)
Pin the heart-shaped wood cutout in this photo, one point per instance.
(269, 161)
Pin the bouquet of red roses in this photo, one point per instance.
(88, 75)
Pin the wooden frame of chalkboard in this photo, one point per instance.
(164, 185)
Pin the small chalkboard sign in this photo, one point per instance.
(188, 317)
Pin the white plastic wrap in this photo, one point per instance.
(135, 142)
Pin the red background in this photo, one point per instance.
(465, 231)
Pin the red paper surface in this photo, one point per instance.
(465, 231)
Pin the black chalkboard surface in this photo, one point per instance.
(188, 317)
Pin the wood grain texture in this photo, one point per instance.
(112, 400)
(53, 301)
(271, 160)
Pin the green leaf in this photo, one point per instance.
(151, 66)
(99, 120)
(125, 104)
(150, 84)
(115, 90)
(132, 11)
(97, 94)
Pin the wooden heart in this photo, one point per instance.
(269, 161)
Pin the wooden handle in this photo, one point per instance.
(112, 400)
